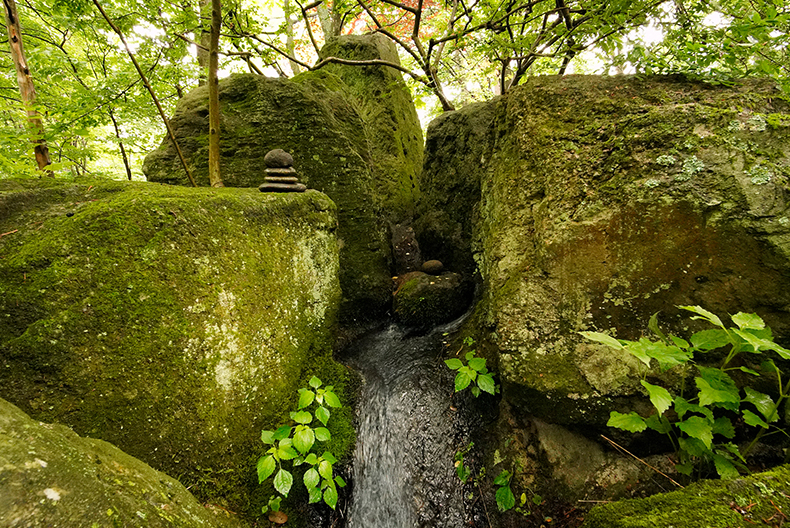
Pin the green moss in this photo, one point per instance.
(175, 323)
(742, 502)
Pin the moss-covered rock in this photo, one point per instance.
(175, 323)
(354, 135)
(605, 200)
(49, 476)
(424, 301)
(757, 500)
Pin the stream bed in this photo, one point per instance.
(408, 432)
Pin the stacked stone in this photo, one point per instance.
(280, 174)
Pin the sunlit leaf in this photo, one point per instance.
(704, 314)
(283, 481)
(602, 338)
(744, 321)
(699, 428)
(266, 466)
(764, 403)
(631, 422)
(454, 363)
(659, 397)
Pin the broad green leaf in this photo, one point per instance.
(503, 478)
(716, 387)
(682, 407)
(752, 419)
(749, 371)
(723, 426)
(330, 496)
(470, 355)
(266, 466)
(306, 397)
(472, 373)
(267, 437)
(311, 478)
(475, 391)
(755, 342)
(667, 356)
(658, 423)
(302, 417)
(314, 382)
(340, 482)
(311, 459)
(454, 363)
(505, 499)
(315, 495)
(724, 467)
(763, 403)
(322, 434)
(286, 452)
(325, 469)
(462, 381)
(699, 428)
(304, 439)
(477, 364)
(282, 433)
(704, 314)
(685, 469)
(602, 338)
(680, 343)
(637, 349)
(332, 400)
(322, 413)
(330, 457)
(693, 447)
(653, 326)
(710, 339)
(486, 383)
(659, 397)
(283, 481)
(744, 321)
(630, 422)
(537, 500)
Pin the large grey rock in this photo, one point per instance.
(354, 135)
(175, 323)
(50, 476)
(601, 202)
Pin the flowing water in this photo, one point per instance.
(403, 470)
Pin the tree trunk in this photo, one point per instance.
(204, 40)
(213, 96)
(121, 146)
(26, 88)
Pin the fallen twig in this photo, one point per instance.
(9, 233)
(626, 451)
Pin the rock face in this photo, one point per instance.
(591, 203)
(739, 503)
(601, 202)
(422, 300)
(49, 476)
(354, 135)
(174, 323)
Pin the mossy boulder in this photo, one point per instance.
(760, 499)
(354, 135)
(603, 201)
(50, 476)
(423, 300)
(175, 323)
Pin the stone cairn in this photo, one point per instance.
(280, 174)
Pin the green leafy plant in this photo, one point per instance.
(696, 423)
(505, 499)
(474, 373)
(463, 471)
(295, 444)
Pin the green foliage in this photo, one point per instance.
(295, 443)
(701, 426)
(474, 373)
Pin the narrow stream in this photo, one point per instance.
(403, 470)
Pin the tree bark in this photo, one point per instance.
(26, 88)
(204, 40)
(120, 145)
(214, 175)
(290, 47)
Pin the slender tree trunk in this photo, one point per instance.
(26, 87)
(121, 146)
(204, 40)
(213, 96)
(150, 89)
